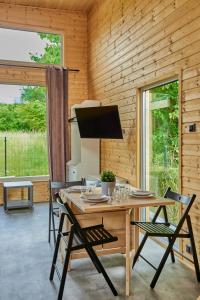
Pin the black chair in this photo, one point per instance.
(169, 231)
(55, 186)
(79, 238)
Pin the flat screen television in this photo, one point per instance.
(101, 122)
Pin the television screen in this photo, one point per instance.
(101, 122)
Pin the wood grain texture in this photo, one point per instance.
(114, 205)
(135, 43)
(82, 5)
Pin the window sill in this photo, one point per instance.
(24, 178)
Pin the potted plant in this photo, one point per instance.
(108, 180)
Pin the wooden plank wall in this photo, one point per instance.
(73, 27)
(132, 44)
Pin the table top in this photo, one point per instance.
(112, 205)
(15, 184)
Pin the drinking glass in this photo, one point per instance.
(116, 194)
(110, 191)
(127, 191)
(83, 190)
(122, 192)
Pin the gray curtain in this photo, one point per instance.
(57, 115)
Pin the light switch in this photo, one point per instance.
(192, 127)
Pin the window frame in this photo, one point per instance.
(143, 127)
(19, 63)
(142, 134)
(29, 65)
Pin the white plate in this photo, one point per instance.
(141, 193)
(94, 199)
(77, 188)
(142, 196)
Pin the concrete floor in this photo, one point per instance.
(25, 259)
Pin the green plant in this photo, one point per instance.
(108, 176)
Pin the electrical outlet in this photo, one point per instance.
(188, 249)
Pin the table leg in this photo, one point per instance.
(128, 248)
(68, 226)
(136, 228)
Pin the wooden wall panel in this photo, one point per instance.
(83, 5)
(132, 44)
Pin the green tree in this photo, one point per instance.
(52, 50)
(8, 117)
(30, 93)
(34, 96)
(165, 137)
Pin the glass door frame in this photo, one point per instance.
(142, 133)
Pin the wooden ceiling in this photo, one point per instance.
(81, 5)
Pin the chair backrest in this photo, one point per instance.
(78, 182)
(66, 210)
(55, 186)
(177, 197)
(186, 200)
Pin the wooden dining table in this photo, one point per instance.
(112, 212)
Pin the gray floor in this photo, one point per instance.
(25, 258)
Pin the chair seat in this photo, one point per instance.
(156, 229)
(96, 235)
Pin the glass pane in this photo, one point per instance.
(23, 142)
(26, 46)
(162, 148)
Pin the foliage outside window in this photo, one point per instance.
(27, 46)
(163, 142)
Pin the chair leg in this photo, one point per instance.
(162, 263)
(194, 252)
(56, 247)
(50, 208)
(172, 252)
(53, 225)
(169, 239)
(93, 260)
(65, 267)
(102, 270)
(137, 254)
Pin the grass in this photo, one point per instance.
(160, 179)
(26, 153)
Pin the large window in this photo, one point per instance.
(160, 141)
(23, 144)
(26, 46)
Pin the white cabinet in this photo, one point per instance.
(85, 153)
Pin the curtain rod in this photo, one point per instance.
(32, 65)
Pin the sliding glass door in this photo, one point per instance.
(160, 140)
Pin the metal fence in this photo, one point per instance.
(23, 154)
